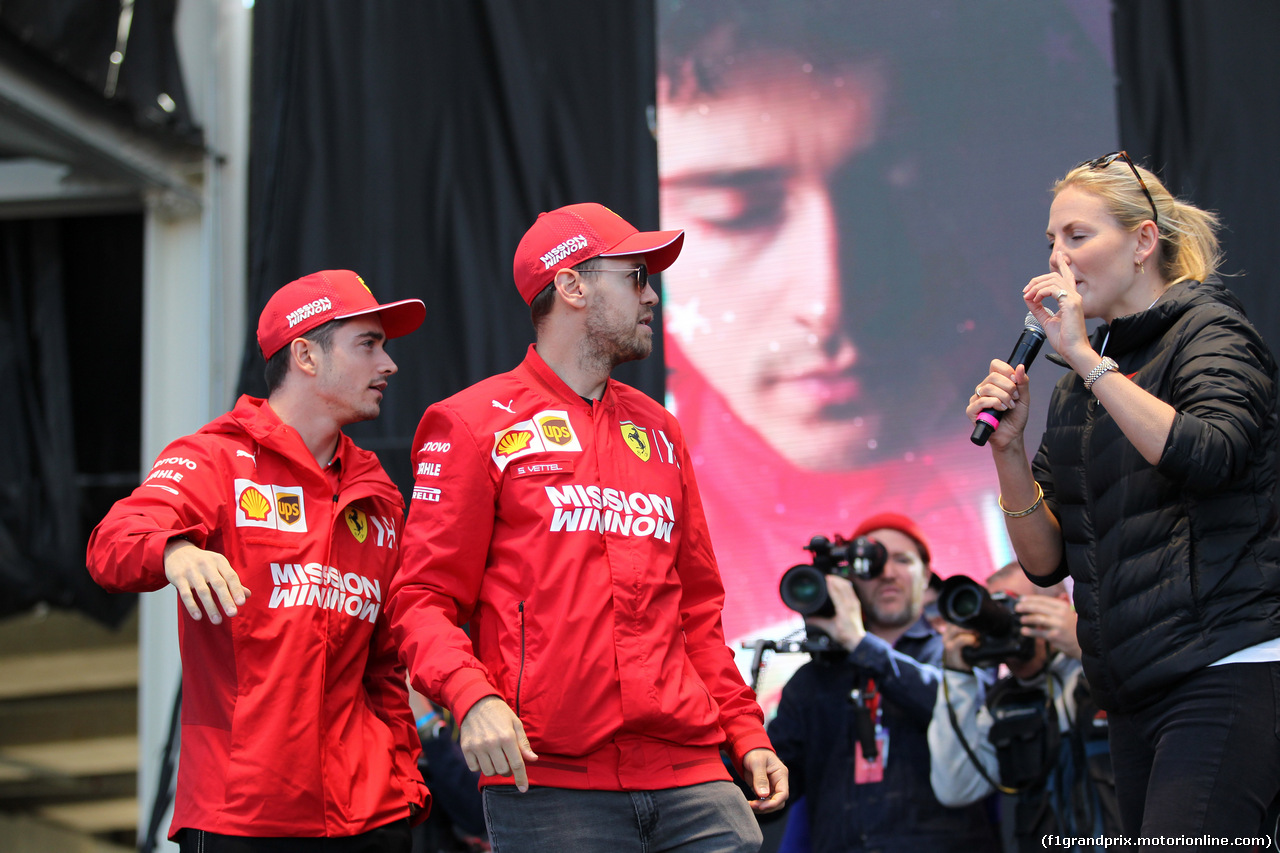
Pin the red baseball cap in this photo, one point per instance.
(315, 299)
(899, 522)
(570, 235)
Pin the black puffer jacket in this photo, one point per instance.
(1175, 565)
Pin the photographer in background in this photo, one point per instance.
(852, 723)
(1036, 736)
(456, 822)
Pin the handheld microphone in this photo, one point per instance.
(1024, 352)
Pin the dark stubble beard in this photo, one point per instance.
(906, 616)
(606, 347)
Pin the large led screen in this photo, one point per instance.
(864, 188)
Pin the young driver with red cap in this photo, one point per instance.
(555, 512)
(860, 769)
(281, 537)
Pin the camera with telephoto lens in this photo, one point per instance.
(991, 615)
(804, 587)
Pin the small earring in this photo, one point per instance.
(1142, 268)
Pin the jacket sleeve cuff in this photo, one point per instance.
(1058, 576)
(157, 542)
(744, 735)
(1177, 460)
(871, 654)
(465, 688)
(419, 796)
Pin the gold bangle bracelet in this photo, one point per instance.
(1035, 506)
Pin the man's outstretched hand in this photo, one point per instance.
(494, 743)
(767, 776)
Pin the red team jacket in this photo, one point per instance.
(295, 715)
(571, 537)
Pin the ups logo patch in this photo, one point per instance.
(557, 431)
(289, 508)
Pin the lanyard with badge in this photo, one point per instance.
(871, 750)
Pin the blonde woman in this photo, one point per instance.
(1153, 487)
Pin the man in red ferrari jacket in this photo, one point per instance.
(555, 511)
(296, 728)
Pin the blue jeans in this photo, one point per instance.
(709, 818)
(1205, 758)
(391, 838)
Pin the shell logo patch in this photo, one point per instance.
(514, 441)
(548, 431)
(254, 505)
(273, 507)
(357, 523)
(637, 439)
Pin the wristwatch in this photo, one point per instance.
(1107, 364)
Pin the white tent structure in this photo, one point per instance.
(61, 159)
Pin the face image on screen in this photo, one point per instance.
(864, 188)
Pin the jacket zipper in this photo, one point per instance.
(1099, 586)
(520, 672)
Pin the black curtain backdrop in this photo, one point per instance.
(415, 142)
(1197, 102)
(70, 328)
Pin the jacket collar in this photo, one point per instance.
(1135, 331)
(918, 636)
(557, 387)
(920, 630)
(254, 417)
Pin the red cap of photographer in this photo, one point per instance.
(315, 299)
(899, 522)
(569, 235)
